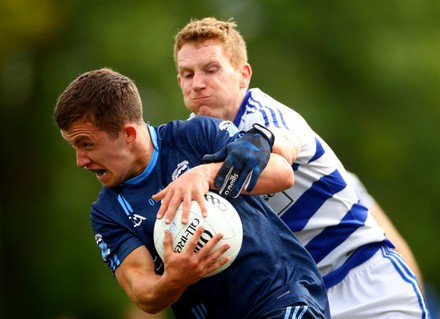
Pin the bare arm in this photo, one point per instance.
(153, 293)
(276, 176)
(286, 144)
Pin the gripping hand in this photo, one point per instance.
(244, 160)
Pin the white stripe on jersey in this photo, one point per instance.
(320, 208)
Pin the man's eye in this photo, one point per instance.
(212, 70)
(187, 75)
(87, 146)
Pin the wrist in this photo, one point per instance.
(211, 173)
(263, 131)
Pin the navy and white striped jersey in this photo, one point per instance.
(322, 208)
(272, 270)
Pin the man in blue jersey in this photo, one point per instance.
(364, 276)
(273, 276)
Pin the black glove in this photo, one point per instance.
(244, 160)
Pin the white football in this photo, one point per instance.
(222, 218)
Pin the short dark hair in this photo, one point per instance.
(104, 97)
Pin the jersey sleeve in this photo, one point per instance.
(203, 135)
(113, 239)
(263, 109)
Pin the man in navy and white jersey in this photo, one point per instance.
(100, 115)
(322, 207)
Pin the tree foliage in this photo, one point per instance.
(365, 74)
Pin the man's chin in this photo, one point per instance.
(205, 111)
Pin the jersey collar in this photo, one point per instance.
(242, 109)
(151, 164)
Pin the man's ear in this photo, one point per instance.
(130, 132)
(246, 74)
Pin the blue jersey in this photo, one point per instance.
(322, 208)
(272, 269)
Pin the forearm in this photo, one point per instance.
(149, 291)
(158, 296)
(286, 144)
(153, 293)
(277, 176)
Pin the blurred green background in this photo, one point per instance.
(365, 75)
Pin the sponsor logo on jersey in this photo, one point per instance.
(280, 202)
(105, 251)
(137, 219)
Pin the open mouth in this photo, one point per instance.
(99, 172)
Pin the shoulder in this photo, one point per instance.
(263, 108)
(106, 202)
(261, 102)
(259, 98)
(195, 137)
(197, 127)
(206, 122)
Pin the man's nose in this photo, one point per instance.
(81, 159)
(198, 81)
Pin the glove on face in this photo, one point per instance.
(244, 160)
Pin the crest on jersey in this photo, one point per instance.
(181, 168)
(229, 127)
